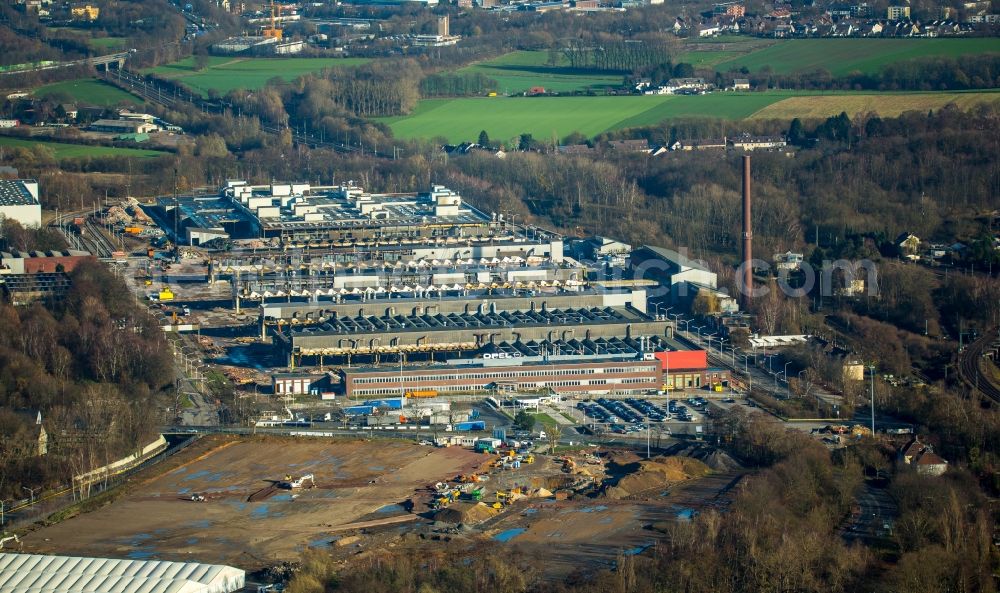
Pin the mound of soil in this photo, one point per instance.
(653, 474)
(467, 513)
(721, 461)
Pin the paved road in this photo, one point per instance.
(873, 517)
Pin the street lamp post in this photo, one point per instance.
(656, 309)
(788, 388)
(872, 367)
(31, 494)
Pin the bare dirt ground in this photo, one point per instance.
(354, 480)
(367, 496)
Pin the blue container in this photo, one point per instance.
(395, 403)
(476, 425)
(360, 410)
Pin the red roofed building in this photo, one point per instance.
(921, 457)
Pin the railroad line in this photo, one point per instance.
(968, 366)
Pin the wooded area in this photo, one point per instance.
(91, 364)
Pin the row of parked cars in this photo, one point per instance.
(628, 415)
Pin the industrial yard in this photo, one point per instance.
(354, 481)
(258, 502)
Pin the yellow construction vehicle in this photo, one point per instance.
(166, 294)
(529, 458)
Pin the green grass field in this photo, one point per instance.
(109, 44)
(62, 151)
(88, 91)
(503, 118)
(518, 71)
(225, 73)
(842, 56)
(458, 120)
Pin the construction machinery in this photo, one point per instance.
(290, 483)
(446, 498)
(166, 294)
(273, 31)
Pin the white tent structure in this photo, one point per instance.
(34, 573)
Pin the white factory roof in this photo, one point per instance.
(34, 573)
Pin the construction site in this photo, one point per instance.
(259, 502)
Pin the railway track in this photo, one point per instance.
(100, 245)
(968, 366)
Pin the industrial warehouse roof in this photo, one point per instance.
(453, 321)
(33, 573)
(13, 192)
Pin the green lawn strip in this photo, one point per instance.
(61, 150)
(842, 56)
(504, 119)
(88, 91)
(545, 419)
(731, 106)
(108, 43)
(519, 71)
(224, 74)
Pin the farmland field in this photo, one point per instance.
(886, 105)
(506, 118)
(458, 120)
(61, 150)
(518, 71)
(224, 74)
(842, 56)
(88, 91)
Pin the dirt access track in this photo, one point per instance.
(355, 481)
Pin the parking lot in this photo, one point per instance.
(635, 414)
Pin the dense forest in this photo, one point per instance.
(91, 364)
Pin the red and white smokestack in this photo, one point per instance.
(747, 234)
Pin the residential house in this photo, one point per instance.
(70, 110)
(702, 144)
(708, 30)
(908, 245)
(736, 9)
(576, 149)
(85, 12)
(741, 84)
(689, 83)
(748, 142)
(922, 458)
(788, 260)
(639, 145)
(897, 12)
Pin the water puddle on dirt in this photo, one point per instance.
(686, 514)
(509, 534)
